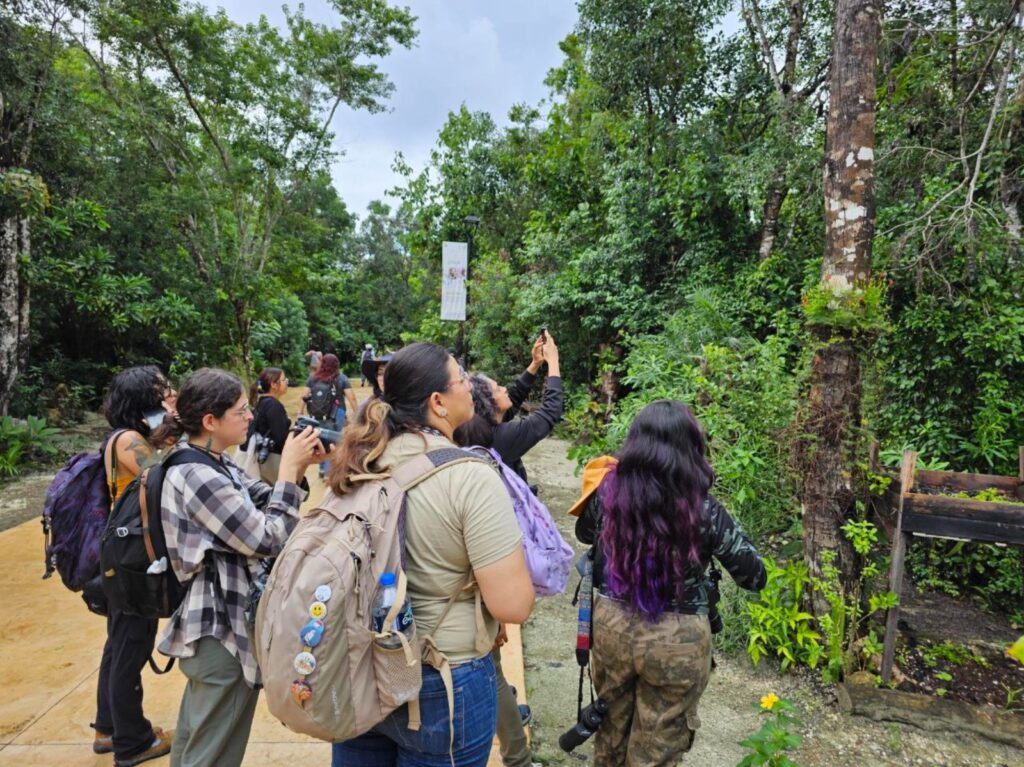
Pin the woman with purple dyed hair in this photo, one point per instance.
(655, 528)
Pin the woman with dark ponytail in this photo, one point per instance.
(270, 420)
(656, 529)
(218, 523)
(459, 522)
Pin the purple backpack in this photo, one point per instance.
(74, 516)
(548, 556)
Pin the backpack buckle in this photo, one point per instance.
(121, 532)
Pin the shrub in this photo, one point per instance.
(741, 389)
(25, 442)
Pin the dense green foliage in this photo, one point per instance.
(190, 217)
(625, 213)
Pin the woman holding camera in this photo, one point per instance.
(460, 528)
(496, 406)
(655, 529)
(217, 522)
(270, 420)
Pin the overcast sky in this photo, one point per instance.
(485, 53)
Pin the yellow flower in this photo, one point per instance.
(768, 701)
(1017, 651)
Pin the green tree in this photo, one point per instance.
(239, 117)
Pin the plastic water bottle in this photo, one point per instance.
(382, 605)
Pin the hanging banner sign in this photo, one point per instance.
(454, 266)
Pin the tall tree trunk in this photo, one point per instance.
(14, 250)
(244, 323)
(770, 215)
(832, 413)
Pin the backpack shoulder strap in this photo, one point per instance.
(422, 467)
(189, 454)
(112, 440)
(151, 485)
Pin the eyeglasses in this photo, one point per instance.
(242, 411)
(463, 379)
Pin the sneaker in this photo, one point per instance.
(161, 747)
(102, 744)
(525, 715)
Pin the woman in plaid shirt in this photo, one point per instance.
(218, 524)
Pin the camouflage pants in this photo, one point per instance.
(651, 676)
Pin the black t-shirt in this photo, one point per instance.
(271, 420)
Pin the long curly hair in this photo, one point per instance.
(479, 430)
(653, 501)
(134, 393)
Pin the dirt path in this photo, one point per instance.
(727, 710)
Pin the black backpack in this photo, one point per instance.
(322, 401)
(133, 542)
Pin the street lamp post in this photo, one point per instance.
(471, 222)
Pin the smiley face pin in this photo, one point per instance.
(318, 610)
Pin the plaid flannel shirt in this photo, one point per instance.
(216, 529)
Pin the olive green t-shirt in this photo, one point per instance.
(458, 520)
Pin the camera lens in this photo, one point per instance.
(590, 719)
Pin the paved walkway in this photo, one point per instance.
(50, 648)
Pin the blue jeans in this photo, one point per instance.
(392, 744)
(339, 424)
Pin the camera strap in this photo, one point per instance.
(584, 670)
(584, 600)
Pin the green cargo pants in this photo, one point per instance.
(216, 710)
(515, 750)
(651, 676)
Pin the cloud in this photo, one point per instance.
(489, 56)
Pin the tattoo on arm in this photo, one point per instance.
(142, 452)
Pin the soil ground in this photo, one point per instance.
(728, 709)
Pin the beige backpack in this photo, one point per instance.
(323, 673)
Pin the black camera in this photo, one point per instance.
(590, 719)
(328, 437)
(714, 594)
(264, 445)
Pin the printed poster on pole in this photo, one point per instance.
(454, 263)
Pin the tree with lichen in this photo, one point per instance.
(26, 65)
(830, 441)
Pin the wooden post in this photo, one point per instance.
(1020, 473)
(900, 542)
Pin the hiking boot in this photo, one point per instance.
(161, 747)
(102, 744)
